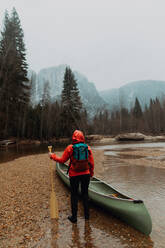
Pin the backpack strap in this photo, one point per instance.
(68, 168)
(69, 163)
(86, 154)
(78, 154)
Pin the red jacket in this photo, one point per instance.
(67, 154)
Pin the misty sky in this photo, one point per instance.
(111, 42)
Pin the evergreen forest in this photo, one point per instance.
(21, 118)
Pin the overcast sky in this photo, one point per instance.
(111, 42)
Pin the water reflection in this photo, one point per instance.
(88, 235)
(54, 233)
(76, 237)
(86, 240)
(13, 152)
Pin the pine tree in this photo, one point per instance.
(14, 85)
(33, 87)
(45, 113)
(124, 120)
(71, 104)
(5, 68)
(137, 114)
(137, 111)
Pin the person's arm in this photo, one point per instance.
(91, 162)
(65, 156)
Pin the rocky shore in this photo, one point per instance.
(90, 139)
(104, 139)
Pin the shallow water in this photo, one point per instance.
(142, 182)
(125, 145)
(147, 184)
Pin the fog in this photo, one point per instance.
(110, 42)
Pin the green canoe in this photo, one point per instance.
(129, 210)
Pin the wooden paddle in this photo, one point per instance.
(53, 199)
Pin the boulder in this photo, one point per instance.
(130, 137)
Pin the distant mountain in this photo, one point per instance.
(90, 97)
(126, 95)
(93, 100)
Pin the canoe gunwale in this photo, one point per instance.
(111, 197)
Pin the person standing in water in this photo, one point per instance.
(81, 169)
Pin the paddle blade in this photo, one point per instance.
(50, 148)
(53, 206)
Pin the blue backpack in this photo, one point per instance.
(79, 158)
(80, 151)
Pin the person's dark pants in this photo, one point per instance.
(82, 180)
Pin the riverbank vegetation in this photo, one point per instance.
(21, 117)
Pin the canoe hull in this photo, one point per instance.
(134, 214)
(128, 210)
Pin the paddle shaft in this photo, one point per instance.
(53, 199)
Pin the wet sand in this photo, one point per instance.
(25, 214)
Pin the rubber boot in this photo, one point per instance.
(72, 219)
